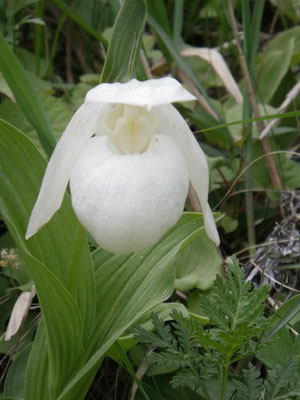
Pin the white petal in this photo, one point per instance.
(127, 202)
(81, 127)
(153, 92)
(171, 123)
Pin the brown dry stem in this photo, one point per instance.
(270, 161)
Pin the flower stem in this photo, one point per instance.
(224, 383)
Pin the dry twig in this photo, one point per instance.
(271, 163)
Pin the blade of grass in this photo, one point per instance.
(289, 114)
(80, 21)
(180, 61)
(158, 11)
(54, 44)
(286, 317)
(39, 35)
(178, 17)
(129, 368)
(25, 96)
(255, 28)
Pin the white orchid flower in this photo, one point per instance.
(129, 156)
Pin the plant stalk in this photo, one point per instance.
(270, 161)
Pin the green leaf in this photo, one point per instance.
(63, 325)
(49, 254)
(273, 68)
(282, 345)
(228, 224)
(37, 368)
(25, 96)
(194, 308)
(125, 43)
(286, 316)
(127, 287)
(57, 111)
(4, 88)
(235, 113)
(127, 364)
(14, 381)
(79, 21)
(289, 170)
(158, 10)
(249, 387)
(21, 170)
(180, 61)
(197, 265)
(14, 6)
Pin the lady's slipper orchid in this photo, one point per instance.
(129, 182)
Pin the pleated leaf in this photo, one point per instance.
(127, 287)
(56, 255)
(125, 43)
(36, 377)
(25, 96)
(21, 170)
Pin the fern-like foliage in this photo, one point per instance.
(197, 354)
(233, 301)
(162, 339)
(282, 383)
(250, 385)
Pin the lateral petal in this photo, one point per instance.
(81, 127)
(171, 123)
(153, 92)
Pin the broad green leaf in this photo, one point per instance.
(63, 325)
(27, 60)
(274, 65)
(57, 111)
(127, 287)
(48, 254)
(37, 368)
(194, 308)
(4, 88)
(25, 96)
(197, 265)
(64, 347)
(21, 171)
(282, 346)
(288, 311)
(282, 39)
(14, 381)
(235, 113)
(125, 43)
(228, 224)
(289, 7)
(288, 169)
(7, 398)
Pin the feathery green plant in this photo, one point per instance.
(200, 356)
